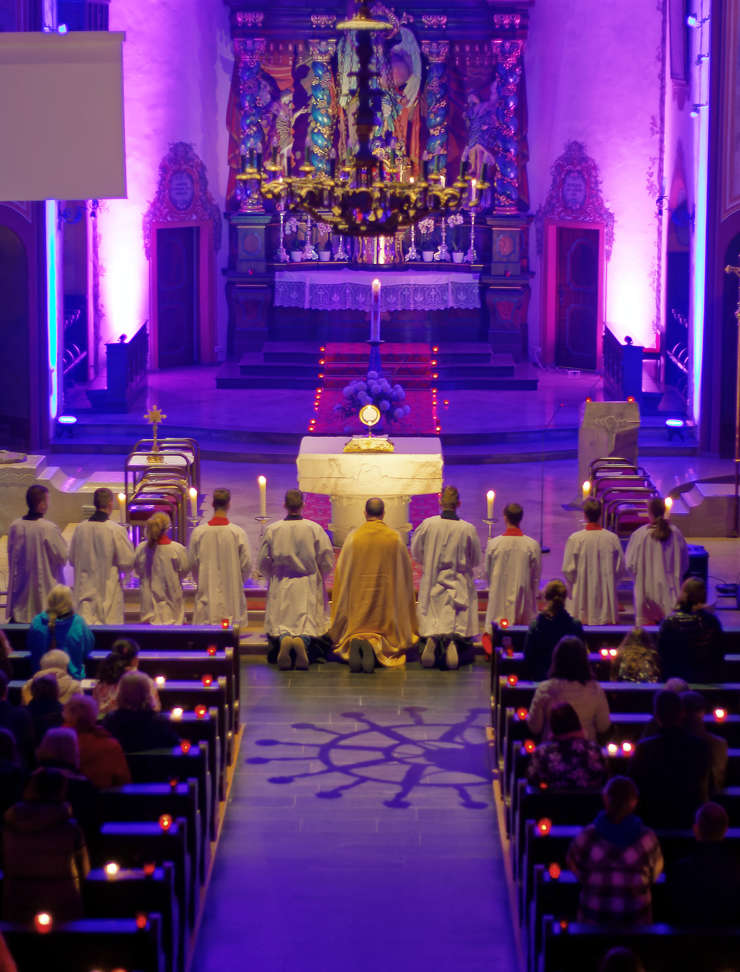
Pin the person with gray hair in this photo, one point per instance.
(101, 554)
(295, 556)
(448, 549)
(135, 723)
(56, 663)
(37, 552)
(59, 627)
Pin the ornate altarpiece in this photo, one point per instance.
(451, 90)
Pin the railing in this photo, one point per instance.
(126, 363)
(622, 368)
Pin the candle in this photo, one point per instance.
(121, 507)
(262, 483)
(586, 488)
(490, 497)
(668, 505)
(375, 312)
(193, 494)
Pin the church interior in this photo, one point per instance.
(369, 250)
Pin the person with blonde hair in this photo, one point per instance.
(37, 552)
(546, 630)
(220, 561)
(513, 566)
(161, 563)
(101, 553)
(135, 723)
(60, 627)
(657, 556)
(448, 549)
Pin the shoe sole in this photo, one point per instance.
(284, 661)
(301, 655)
(452, 659)
(355, 656)
(429, 654)
(368, 657)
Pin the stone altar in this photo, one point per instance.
(606, 429)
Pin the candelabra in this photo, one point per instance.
(282, 254)
(443, 252)
(412, 253)
(471, 256)
(308, 252)
(341, 253)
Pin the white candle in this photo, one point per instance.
(668, 505)
(375, 312)
(262, 483)
(586, 487)
(193, 494)
(121, 507)
(490, 497)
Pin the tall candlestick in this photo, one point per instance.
(490, 497)
(668, 505)
(586, 488)
(121, 507)
(262, 483)
(375, 312)
(193, 494)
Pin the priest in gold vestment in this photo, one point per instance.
(373, 611)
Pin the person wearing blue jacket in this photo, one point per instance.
(60, 627)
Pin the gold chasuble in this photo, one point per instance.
(374, 594)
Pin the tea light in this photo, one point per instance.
(720, 714)
(503, 622)
(149, 869)
(42, 922)
(201, 712)
(160, 680)
(141, 921)
(111, 869)
(529, 746)
(165, 822)
(512, 680)
(225, 623)
(612, 749)
(627, 748)
(176, 713)
(211, 649)
(544, 826)
(207, 681)
(522, 714)
(185, 746)
(554, 870)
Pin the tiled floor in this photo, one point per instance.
(361, 833)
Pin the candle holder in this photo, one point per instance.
(471, 256)
(308, 252)
(374, 362)
(412, 253)
(282, 254)
(490, 525)
(443, 254)
(263, 519)
(341, 253)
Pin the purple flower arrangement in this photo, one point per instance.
(374, 390)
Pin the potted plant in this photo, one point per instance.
(323, 241)
(455, 228)
(293, 241)
(426, 242)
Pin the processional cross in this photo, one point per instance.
(155, 417)
(736, 528)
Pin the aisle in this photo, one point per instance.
(361, 832)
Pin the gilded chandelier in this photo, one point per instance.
(367, 196)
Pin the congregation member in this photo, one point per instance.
(373, 616)
(592, 565)
(637, 659)
(123, 657)
(12, 774)
(135, 723)
(6, 664)
(690, 638)
(295, 556)
(621, 959)
(568, 761)
(550, 625)
(59, 627)
(56, 663)
(705, 886)
(570, 680)
(657, 557)
(161, 563)
(694, 713)
(616, 859)
(449, 550)
(60, 750)
(37, 552)
(44, 706)
(102, 759)
(100, 553)
(221, 562)
(671, 768)
(513, 565)
(44, 853)
(16, 720)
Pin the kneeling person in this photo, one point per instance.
(295, 556)
(448, 548)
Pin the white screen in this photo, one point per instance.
(61, 116)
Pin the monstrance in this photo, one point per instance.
(369, 415)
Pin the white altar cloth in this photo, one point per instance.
(401, 290)
(350, 478)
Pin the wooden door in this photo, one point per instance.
(177, 296)
(577, 295)
(15, 374)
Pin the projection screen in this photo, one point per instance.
(61, 116)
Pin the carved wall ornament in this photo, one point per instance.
(182, 194)
(575, 194)
(250, 18)
(434, 21)
(507, 21)
(322, 21)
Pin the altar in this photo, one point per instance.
(349, 479)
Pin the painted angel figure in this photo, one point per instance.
(480, 117)
(283, 131)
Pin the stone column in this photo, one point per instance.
(436, 102)
(321, 110)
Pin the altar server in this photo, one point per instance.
(36, 555)
(658, 558)
(221, 562)
(448, 549)
(161, 564)
(373, 611)
(592, 565)
(513, 567)
(294, 557)
(100, 553)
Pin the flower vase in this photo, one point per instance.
(324, 256)
(457, 256)
(427, 256)
(296, 255)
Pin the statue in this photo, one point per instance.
(282, 132)
(480, 118)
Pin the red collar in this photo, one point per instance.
(163, 540)
(513, 532)
(594, 526)
(219, 521)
